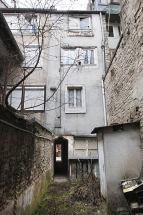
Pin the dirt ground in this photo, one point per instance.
(71, 199)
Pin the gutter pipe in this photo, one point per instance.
(104, 68)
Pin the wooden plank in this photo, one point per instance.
(73, 170)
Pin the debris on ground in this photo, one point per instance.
(71, 199)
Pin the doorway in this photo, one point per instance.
(60, 156)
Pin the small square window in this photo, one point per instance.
(80, 25)
(75, 99)
(31, 56)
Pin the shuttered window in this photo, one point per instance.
(31, 56)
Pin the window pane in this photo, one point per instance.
(71, 97)
(74, 25)
(34, 99)
(91, 55)
(31, 56)
(58, 152)
(15, 98)
(71, 56)
(78, 97)
(85, 54)
(84, 25)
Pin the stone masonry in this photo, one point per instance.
(26, 163)
(124, 76)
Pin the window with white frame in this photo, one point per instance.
(79, 56)
(32, 55)
(79, 25)
(75, 99)
(89, 56)
(28, 98)
(69, 56)
(34, 98)
(29, 24)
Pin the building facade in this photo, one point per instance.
(65, 88)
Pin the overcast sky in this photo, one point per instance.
(59, 4)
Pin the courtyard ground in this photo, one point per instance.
(71, 199)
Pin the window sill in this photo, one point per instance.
(80, 35)
(75, 110)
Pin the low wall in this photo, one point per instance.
(25, 159)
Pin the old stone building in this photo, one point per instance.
(120, 141)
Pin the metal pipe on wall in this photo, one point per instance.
(104, 67)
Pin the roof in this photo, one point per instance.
(50, 11)
(97, 129)
(8, 38)
(32, 120)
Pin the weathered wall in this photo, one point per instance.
(90, 76)
(123, 81)
(25, 159)
(123, 160)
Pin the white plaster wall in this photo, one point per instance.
(113, 41)
(123, 159)
(89, 76)
(103, 185)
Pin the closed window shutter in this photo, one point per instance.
(91, 56)
(15, 98)
(84, 25)
(31, 56)
(34, 98)
(74, 25)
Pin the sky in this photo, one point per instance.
(59, 4)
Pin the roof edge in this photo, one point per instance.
(51, 11)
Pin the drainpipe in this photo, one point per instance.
(5, 83)
(104, 68)
(60, 83)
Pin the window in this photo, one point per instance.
(110, 31)
(30, 24)
(79, 56)
(80, 25)
(88, 56)
(28, 98)
(75, 99)
(69, 56)
(31, 56)
(85, 147)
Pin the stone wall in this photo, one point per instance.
(124, 77)
(25, 159)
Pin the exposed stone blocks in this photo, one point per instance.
(124, 78)
(24, 156)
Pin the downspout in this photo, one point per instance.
(5, 83)
(60, 83)
(104, 68)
